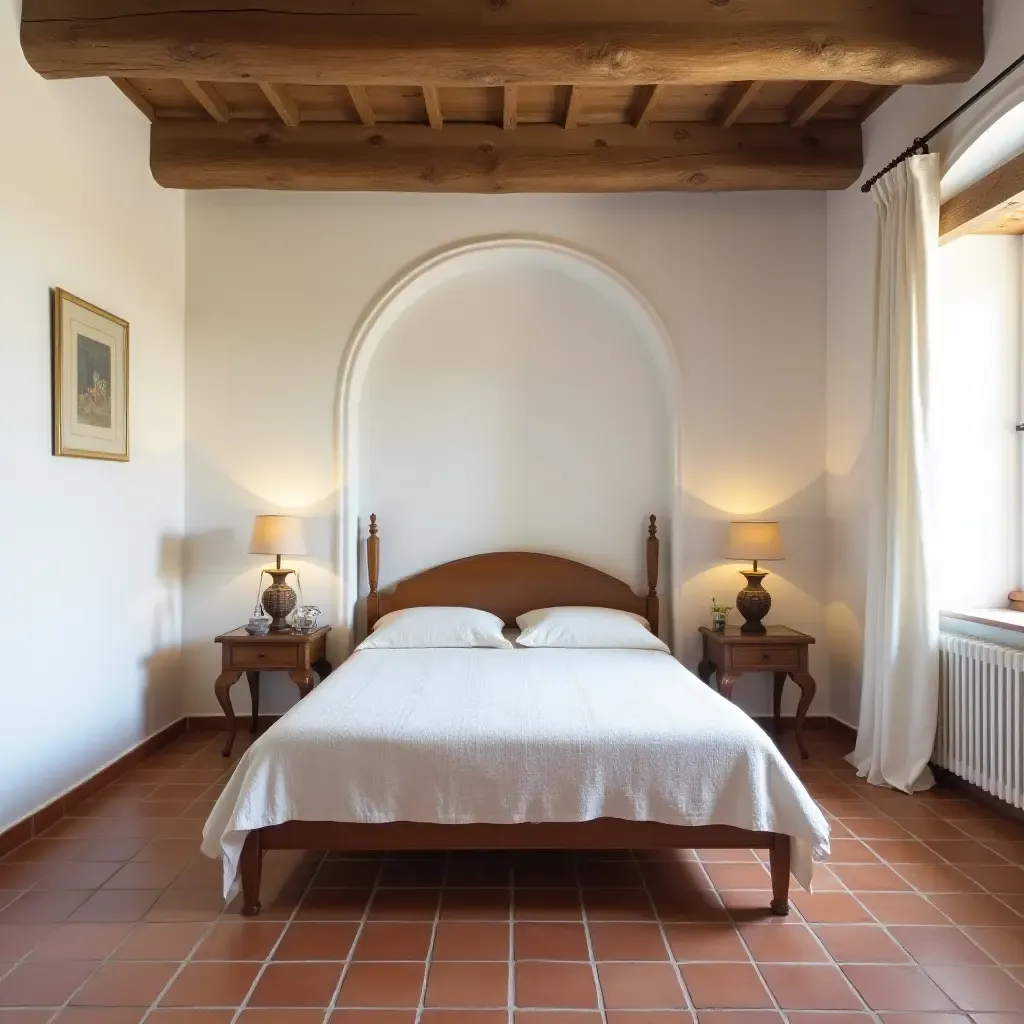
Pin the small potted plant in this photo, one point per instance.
(719, 615)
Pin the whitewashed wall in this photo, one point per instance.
(278, 285)
(92, 604)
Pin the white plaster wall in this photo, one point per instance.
(851, 270)
(515, 408)
(278, 284)
(92, 609)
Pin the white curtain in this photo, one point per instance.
(899, 704)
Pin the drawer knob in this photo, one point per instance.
(261, 654)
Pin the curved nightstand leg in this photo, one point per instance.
(726, 682)
(254, 698)
(808, 688)
(323, 668)
(780, 682)
(222, 688)
(303, 680)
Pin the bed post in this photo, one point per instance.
(373, 571)
(652, 575)
(779, 857)
(251, 866)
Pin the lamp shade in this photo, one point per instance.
(761, 542)
(277, 535)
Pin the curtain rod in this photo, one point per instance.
(920, 145)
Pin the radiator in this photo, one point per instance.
(980, 736)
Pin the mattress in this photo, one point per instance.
(508, 736)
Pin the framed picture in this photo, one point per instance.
(90, 380)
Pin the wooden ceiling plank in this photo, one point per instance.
(882, 94)
(572, 108)
(485, 158)
(128, 88)
(361, 101)
(645, 105)
(433, 105)
(287, 109)
(466, 42)
(980, 209)
(736, 101)
(209, 99)
(510, 107)
(810, 100)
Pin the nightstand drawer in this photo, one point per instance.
(270, 656)
(769, 656)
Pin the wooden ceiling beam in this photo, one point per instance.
(486, 158)
(433, 104)
(361, 101)
(991, 206)
(644, 107)
(129, 90)
(286, 107)
(736, 101)
(209, 99)
(493, 42)
(811, 100)
(510, 107)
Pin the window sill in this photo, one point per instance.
(1001, 618)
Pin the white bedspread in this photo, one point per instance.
(456, 736)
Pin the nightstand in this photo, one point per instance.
(782, 651)
(298, 654)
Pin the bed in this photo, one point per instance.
(481, 749)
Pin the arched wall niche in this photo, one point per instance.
(498, 255)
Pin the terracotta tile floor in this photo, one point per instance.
(113, 917)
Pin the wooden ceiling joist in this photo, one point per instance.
(495, 42)
(810, 100)
(433, 104)
(572, 107)
(645, 105)
(279, 99)
(737, 99)
(510, 107)
(486, 158)
(136, 97)
(361, 101)
(209, 99)
(992, 206)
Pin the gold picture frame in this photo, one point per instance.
(90, 380)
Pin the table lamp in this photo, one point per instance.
(754, 542)
(278, 535)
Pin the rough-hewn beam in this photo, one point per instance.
(494, 42)
(737, 99)
(811, 100)
(486, 158)
(285, 106)
(990, 206)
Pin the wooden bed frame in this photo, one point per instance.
(508, 584)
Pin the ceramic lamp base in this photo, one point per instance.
(279, 600)
(753, 602)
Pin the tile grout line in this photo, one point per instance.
(269, 958)
(511, 996)
(601, 1008)
(374, 889)
(429, 961)
(664, 937)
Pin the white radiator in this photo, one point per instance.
(981, 715)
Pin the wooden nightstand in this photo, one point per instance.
(781, 650)
(298, 654)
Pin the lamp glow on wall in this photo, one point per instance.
(278, 535)
(754, 542)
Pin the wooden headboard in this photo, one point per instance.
(509, 583)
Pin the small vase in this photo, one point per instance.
(718, 620)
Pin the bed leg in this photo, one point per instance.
(251, 866)
(779, 857)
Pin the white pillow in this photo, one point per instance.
(436, 627)
(587, 627)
